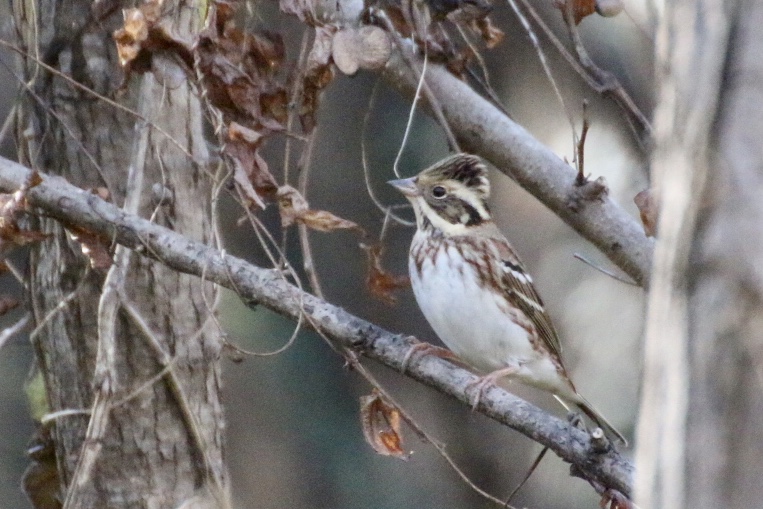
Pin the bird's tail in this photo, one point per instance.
(600, 420)
(593, 414)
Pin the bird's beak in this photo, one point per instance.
(406, 186)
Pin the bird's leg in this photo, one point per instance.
(491, 378)
(426, 349)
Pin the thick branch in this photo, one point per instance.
(257, 286)
(483, 129)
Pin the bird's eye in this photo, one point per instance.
(439, 191)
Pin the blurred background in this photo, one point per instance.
(294, 436)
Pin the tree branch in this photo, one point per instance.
(72, 206)
(483, 129)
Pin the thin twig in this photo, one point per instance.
(530, 472)
(434, 104)
(546, 67)
(364, 161)
(308, 263)
(622, 99)
(606, 82)
(604, 271)
(580, 159)
(411, 111)
(10, 331)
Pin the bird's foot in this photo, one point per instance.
(484, 382)
(426, 349)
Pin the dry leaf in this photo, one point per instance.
(491, 34)
(294, 208)
(238, 70)
(318, 74)
(648, 210)
(143, 33)
(367, 47)
(381, 426)
(250, 171)
(580, 8)
(380, 282)
(95, 247)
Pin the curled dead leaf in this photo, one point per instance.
(318, 74)
(144, 32)
(95, 247)
(381, 426)
(294, 208)
(381, 283)
(250, 171)
(367, 47)
(648, 210)
(491, 34)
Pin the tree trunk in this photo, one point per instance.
(134, 344)
(700, 441)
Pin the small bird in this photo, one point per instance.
(474, 290)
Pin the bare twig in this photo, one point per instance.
(530, 471)
(546, 67)
(10, 331)
(268, 288)
(606, 83)
(580, 159)
(604, 271)
(364, 161)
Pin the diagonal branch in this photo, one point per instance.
(72, 206)
(483, 129)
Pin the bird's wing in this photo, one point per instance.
(520, 291)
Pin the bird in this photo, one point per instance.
(474, 290)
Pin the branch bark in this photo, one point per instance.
(268, 287)
(483, 129)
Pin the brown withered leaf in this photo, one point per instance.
(250, 171)
(381, 283)
(318, 74)
(580, 8)
(7, 304)
(145, 32)
(381, 426)
(294, 208)
(491, 34)
(238, 70)
(95, 247)
(648, 210)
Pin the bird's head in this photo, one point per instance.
(449, 196)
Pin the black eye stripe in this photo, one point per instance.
(453, 210)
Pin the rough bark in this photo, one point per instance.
(724, 433)
(149, 441)
(699, 439)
